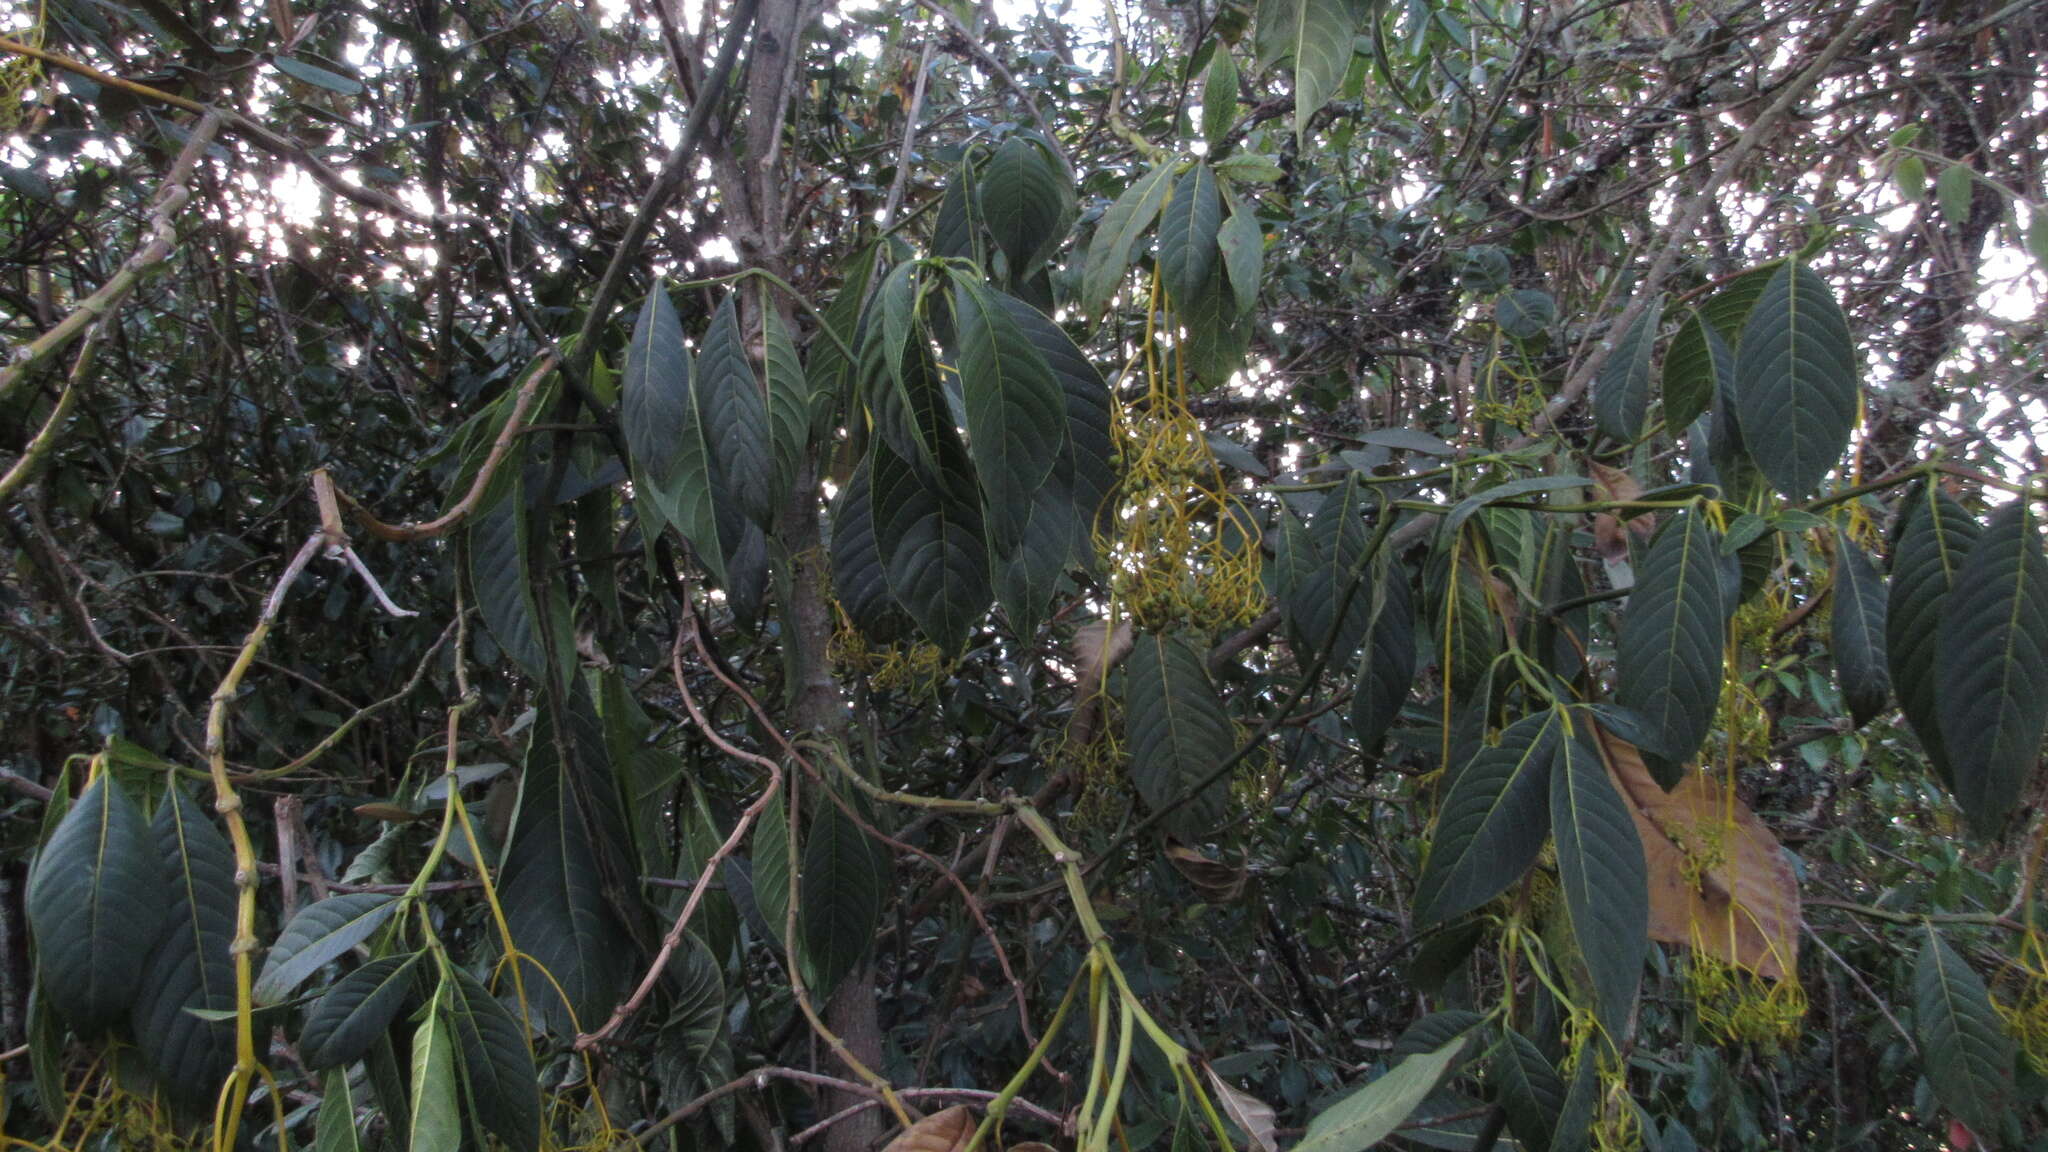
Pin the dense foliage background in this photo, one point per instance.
(767, 574)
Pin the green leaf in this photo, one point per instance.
(1216, 333)
(335, 1128)
(1177, 731)
(1621, 395)
(1243, 247)
(1992, 663)
(317, 76)
(2037, 234)
(1530, 1089)
(832, 375)
(1857, 632)
(436, 1121)
(1187, 236)
(1964, 1051)
(1118, 232)
(1370, 1114)
(655, 391)
(1512, 490)
(95, 898)
(1317, 35)
(1467, 630)
(1581, 1103)
(1953, 191)
(497, 1066)
(1492, 822)
(1525, 313)
(840, 896)
(956, 234)
(1935, 533)
(553, 892)
(1436, 1030)
(1386, 663)
(190, 967)
(789, 398)
(1698, 358)
(1087, 465)
(1600, 867)
(929, 535)
(350, 1016)
(1796, 380)
(1911, 174)
(1027, 201)
(317, 937)
(500, 578)
(860, 582)
(733, 415)
(770, 868)
(1016, 414)
(1330, 556)
(1670, 651)
(1219, 96)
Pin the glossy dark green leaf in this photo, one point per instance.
(1857, 632)
(499, 575)
(860, 582)
(1525, 313)
(496, 1064)
(317, 937)
(1087, 463)
(840, 895)
(1493, 820)
(1118, 232)
(1026, 201)
(1600, 868)
(1436, 1030)
(733, 415)
(553, 894)
(1935, 533)
(190, 966)
(1176, 731)
(770, 873)
(1795, 373)
(1964, 1049)
(654, 391)
(789, 398)
(1574, 1129)
(1329, 558)
(1701, 358)
(360, 1007)
(1188, 224)
(928, 532)
(1521, 489)
(1530, 1090)
(1670, 652)
(1467, 630)
(1992, 663)
(956, 233)
(831, 375)
(1386, 662)
(1621, 395)
(1016, 412)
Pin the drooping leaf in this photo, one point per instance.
(1992, 660)
(190, 966)
(1329, 560)
(1016, 413)
(1468, 627)
(789, 397)
(1026, 201)
(1086, 468)
(553, 892)
(1386, 662)
(1670, 652)
(1935, 533)
(840, 896)
(732, 415)
(436, 1117)
(1370, 1114)
(1217, 335)
(496, 1064)
(1964, 1049)
(1177, 732)
(500, 577)
(1795, 373)
(928, 532)
(317, 937)
(1252, 1116)
(1242, 245)
(860, 582)
(1118, 232)
(1188, 225)
(1317, 36)
(1600, 867)
(956, 234)
(1530, 1090)
(1621, 396)
(335, 1128)
(831, 375)
(1492, 822)
(654, 391)
(1857, 632)
(358, 1010)
(771, 868)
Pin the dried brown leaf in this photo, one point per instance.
(1219, 883)
(1253, 1116)
(944, 1131)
